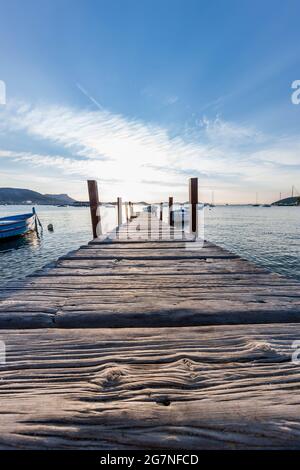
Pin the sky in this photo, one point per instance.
(144, 94)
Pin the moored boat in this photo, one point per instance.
(181, 216)
(17, 225)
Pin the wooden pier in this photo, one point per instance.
(144, 340)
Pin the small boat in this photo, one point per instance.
(17, 225)
(181, 215)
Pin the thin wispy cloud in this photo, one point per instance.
(221, 131)
(171, 100)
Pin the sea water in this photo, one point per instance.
(269, 236)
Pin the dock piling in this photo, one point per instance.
(171, 213)
(119, 209)
(94, 204)
(193, 196)
(130, 210)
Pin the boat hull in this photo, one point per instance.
(16, 226)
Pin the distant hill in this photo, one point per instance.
(289, 201)
(61, 198)
(26, 196)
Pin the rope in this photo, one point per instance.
(40, 223)
(37, 222)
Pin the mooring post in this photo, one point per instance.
(94, 204)
(193, 196)
(161, 212)
(119, 209)
(182, 219)
(149, 222)
(130, 210)
(171, 213)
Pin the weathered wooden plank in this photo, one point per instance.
(52, 298)
(188, 388)
(146, 272)
(159, 243)
(144, 245)
(142, 236)
(162, 255)
(156, 312)
(190, 247)
(159, 263)
(140, 288)
(163, 266)
(201, 282)
(181, 313)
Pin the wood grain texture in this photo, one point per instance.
(187, 388)
(151, 284)
(107, 348)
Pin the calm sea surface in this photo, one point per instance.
(268, 236)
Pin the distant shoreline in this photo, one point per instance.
(113, 204)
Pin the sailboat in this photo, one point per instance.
(256, 204)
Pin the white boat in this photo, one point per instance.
(181, 216)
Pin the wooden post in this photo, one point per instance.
(182, 219)
(94, 203)
(171, 214)
(126, 211)
(149, 223)
(193, 195)
(130, 210)
(119, 209)
(161, 212)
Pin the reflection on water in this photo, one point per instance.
(25, 255)
(30, 240)
(269, 236)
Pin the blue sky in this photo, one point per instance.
(144, 94)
